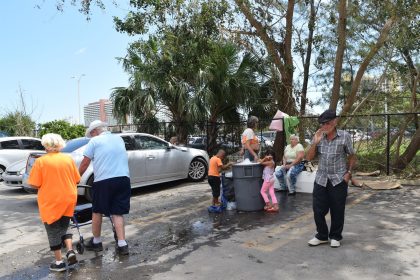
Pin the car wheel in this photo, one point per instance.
(88, 191)
(197, 170)
(2, 169)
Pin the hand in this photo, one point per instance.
(318, 135)
(347, 177)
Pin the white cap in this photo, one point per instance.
(94, 125)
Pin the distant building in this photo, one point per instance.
(99, 110)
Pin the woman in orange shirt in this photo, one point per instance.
(56, 176)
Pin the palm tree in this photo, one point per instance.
(227, 81)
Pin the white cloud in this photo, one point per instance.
(80, 51)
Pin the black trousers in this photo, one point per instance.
(214, 182)
(332, 199)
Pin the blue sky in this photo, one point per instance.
(41, 49)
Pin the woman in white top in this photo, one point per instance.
(292, 165)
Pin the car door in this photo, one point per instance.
(160, 160)
(136, 160)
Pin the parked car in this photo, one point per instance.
(358, 135)
(151, 161)
(197, 142)
(12, 176)
(265, 141)
(13, 149)
(269, 135)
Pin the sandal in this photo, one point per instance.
(272, 210)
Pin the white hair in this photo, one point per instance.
(52, 142)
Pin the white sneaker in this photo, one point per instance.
(315, 242)
(335, 243)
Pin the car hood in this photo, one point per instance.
(17, 166)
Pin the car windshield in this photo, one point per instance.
(75, 144)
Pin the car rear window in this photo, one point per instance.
(75, 144)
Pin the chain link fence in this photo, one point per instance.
(378, 139)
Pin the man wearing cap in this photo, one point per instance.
(336, 161)
(111, 190)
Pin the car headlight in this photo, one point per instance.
(22, 171)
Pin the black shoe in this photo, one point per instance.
(58, 267)
(292, 193)
(123, 250)
(90, 246)
(71, 258)
(280, 190)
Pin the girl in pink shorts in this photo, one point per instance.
(268, 184)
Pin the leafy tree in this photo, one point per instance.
(17, 124)
(65, 129)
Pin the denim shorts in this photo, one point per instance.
(111, 196)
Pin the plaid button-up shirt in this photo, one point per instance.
(333, 158)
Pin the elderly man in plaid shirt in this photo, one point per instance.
(336, 161)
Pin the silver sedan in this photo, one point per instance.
(151, 161)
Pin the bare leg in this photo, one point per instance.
(96, 224)
(69, 244)
(118, 221)
(57, 255)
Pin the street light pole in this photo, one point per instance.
(78, 92)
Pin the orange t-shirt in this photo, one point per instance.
(56, 177)
(214, 164)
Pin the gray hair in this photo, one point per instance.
(294, 136)
(52, 142)
(252, 121)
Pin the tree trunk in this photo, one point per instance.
(280, 53)
(361, 71)
(279, 145)
(414, 76)
(411, 151)
(211, 137)
(307, 63)
(341, 33)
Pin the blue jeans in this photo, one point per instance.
(290, 175)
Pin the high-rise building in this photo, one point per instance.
(99, 110)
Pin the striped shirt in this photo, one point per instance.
(333, 158)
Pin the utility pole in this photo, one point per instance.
(78, 93)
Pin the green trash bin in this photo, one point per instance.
(247, 183)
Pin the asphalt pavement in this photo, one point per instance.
(172, 236)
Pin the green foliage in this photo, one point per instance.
(17, 124)
(66, 130)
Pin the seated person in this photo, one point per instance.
(292, 165)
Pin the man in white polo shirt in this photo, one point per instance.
(111, 190)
